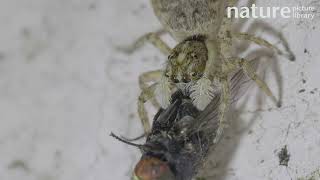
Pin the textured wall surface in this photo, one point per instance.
(64, 88)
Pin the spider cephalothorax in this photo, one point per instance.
(187, 61)
(185, 67)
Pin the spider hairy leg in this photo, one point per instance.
(202, 91)
(153, 38)
(261, 42)
(259, 25)
(145, 95)
(223, 108)
(145, 78)
(224, 34)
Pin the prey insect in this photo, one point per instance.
(202, 61)
(181, 137)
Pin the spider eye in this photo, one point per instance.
(175, 80)
(194, 56)
(185, 79)
(170, 56)
(193, 74)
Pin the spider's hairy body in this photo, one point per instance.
(201, 63)
(184, 18)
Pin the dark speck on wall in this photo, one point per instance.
(2, 56)
(302, 90)
(18, 164)
(284, 156)
(92, 6)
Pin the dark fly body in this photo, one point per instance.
(181, 137)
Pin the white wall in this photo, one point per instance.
(63, 89)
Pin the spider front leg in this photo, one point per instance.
(224, 34)
(153, 38)
(146, 94)
(147, 77)
(223, 108)
(202, 91)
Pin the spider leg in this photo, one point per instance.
(202, 92)
(224, 34)
(257, 40)
(145, 95)
(153, 38)
(260, 25)
(145, 78)
(223, 108)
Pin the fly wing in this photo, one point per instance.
(208, 119)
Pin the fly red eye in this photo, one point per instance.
(151, 169)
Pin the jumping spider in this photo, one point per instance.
(202, 62)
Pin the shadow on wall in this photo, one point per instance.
(220, 158)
